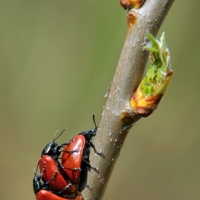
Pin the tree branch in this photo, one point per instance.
(118, 117)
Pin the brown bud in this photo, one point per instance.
(129, 4)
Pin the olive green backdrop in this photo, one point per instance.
(57, 59)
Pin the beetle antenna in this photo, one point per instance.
(55, 138)
(93, 117)
(36, 168)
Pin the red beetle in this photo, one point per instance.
(73, 160)
(79, 157)
(53, 177)
(48, 195)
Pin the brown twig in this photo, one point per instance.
(118, 117)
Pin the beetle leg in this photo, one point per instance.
(67, 143)
(73, 169)
(98, 153)
(53, 177)
(88, 187)
(94, 168)
(65, 188)
(70, 152)
(43, 169)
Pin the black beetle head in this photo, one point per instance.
(49, 149)
(53, 149)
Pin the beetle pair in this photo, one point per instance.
(65, 181)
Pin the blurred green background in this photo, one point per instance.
(56, 61)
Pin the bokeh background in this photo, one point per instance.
(57, 59)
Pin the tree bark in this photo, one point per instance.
(117, 116)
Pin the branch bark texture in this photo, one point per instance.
(117, 116)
